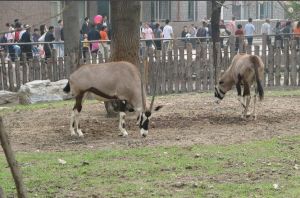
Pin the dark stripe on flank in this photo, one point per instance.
(100, 93)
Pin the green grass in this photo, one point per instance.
(243, 170)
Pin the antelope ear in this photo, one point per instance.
(158, 107)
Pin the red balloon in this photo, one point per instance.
(98, 19)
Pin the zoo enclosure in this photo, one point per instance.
(180, 68)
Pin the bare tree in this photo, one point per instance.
(125, 36)
(71, 33)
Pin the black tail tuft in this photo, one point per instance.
(67, 88)
(260, 89)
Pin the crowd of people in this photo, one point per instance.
(18, 34)
(155, 36)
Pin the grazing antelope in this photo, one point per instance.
(243, 71)
(110, 81)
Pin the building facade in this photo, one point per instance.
(47, 12)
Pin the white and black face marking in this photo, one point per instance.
(218, 92)
(144, 123)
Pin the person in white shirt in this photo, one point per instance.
(147, 33)
(249, 31)
(167, 34)
(266, 30)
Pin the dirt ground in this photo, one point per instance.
(186, 119)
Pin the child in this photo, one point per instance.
(238, 33)
(85, 47)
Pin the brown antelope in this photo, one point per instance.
(243, 71)
(110, 81)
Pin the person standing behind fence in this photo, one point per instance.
(287, 30)
(238, 33)
(58, 35)
(49, 37)
(167, 34)
(249, 31)
(104, 37)
(184, 34)
(85, 47)
(35, 38)
(157, 34)
(26, 38)
(231, 26)
(266, 30)
(148, 34)
(94, 35)
(202, 32)
(297, 34)
(278, 36)
(86, 26)
(193, 32)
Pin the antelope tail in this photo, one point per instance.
(256, 63)
(67, 88)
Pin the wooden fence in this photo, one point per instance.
(182, 69)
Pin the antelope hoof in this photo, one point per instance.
(73, 132)
(80, 134)
(123, 134)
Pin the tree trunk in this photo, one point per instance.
(125, 36)
(215, 30)
(71, 34)
(12, 162)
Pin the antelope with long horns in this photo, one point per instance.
(111, 81)
(243, 72)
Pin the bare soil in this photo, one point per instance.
(186, 119)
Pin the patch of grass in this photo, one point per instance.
(241, 170)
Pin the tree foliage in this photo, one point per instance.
(293, 9)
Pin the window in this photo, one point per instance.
(160, 10)
(191, 10)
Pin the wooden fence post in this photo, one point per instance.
(293, 66)
(189, 67)
(158, 69)
(241, 44)
(60, 68)
(17, 71)
(10, 77)
(24, 68)
(4, 74)
(286, 61)
(182, 70)
(211, 67)
(225, 59)
(170, 70)
(94, 58)
(176, 67)
(2, 58)
(43, 69)
(231, 42)
(205, 65)
(29, 74)
(49, 68)
(277, 61)
(54, 65)
(271, 66)
(152, 71)
(198, 67)
(36, 69)
(13, 164)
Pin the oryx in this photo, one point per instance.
(243, 71)
(111, 81)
